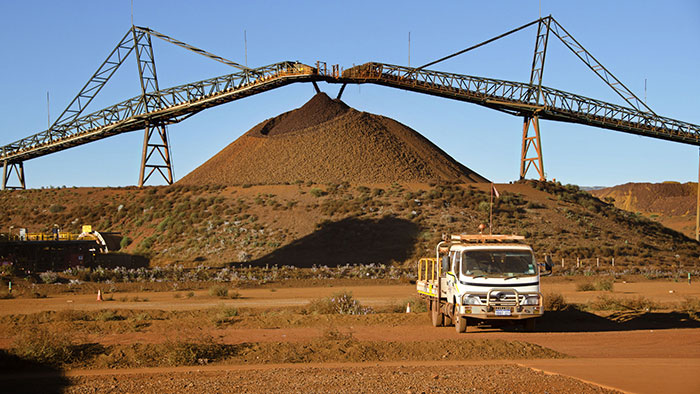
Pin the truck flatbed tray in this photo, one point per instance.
(427, 287)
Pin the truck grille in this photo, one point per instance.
(504, 300)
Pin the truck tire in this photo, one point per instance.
(460, 323)
(448, 318)
(529, 325)
(436, 316)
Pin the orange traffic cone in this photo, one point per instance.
(99, 295)
(408, 308)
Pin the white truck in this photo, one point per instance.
(482, 278)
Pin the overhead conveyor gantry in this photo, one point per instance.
(155, 108)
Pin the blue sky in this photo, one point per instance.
(56, 46)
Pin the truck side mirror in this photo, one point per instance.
(445, 263)
(548, 264)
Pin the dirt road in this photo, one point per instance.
(634, 360)
(659, 291)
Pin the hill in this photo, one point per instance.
(307, 224)
(327, 141)
(670, 203)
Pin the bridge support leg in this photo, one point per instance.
(155, 139)
(531, 142)
(340, 92)
(7, 170)
(697, 215)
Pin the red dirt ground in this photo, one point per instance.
(631, 360)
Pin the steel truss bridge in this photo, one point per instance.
(155, 108)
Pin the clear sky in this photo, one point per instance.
(56, 46)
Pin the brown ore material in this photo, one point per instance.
(326, 141)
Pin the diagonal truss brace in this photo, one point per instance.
(192, 48)
(8, 168)
(93, 86)
(570, 42)
(155, 135)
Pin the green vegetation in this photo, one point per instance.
(341, 303)
(554, 302)
(602, 284)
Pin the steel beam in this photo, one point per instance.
(589, 60)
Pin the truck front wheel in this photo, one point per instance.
(460, 323)
(448, 317)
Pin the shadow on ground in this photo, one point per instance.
(21, 376)
(348, 241)
(575, 320)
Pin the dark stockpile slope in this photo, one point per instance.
(327, 141)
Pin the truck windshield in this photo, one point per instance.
(499, 263)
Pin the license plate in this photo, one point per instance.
(502, 312)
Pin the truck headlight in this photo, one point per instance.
(531, 300)
(471, 300)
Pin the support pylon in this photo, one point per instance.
(152, 141)
(534, 143)
(535, 95)
(155, 139)
(7, 170)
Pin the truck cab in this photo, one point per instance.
(482, 278)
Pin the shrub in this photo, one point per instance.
(126, 241)
(108, 316)
(604, 284)
(56, 208)
(534, 205)
(554, 302)
(6, 296)
(218, 291)
(417, 305)
(49, 277)
(71, 315)
(178, 353)
(341, 303)
(316, 192)
(224, 316)
(691, 305)
(600, 285)
(54, 347)
(7, 270)
(608, 303)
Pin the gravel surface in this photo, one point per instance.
(370, 379)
